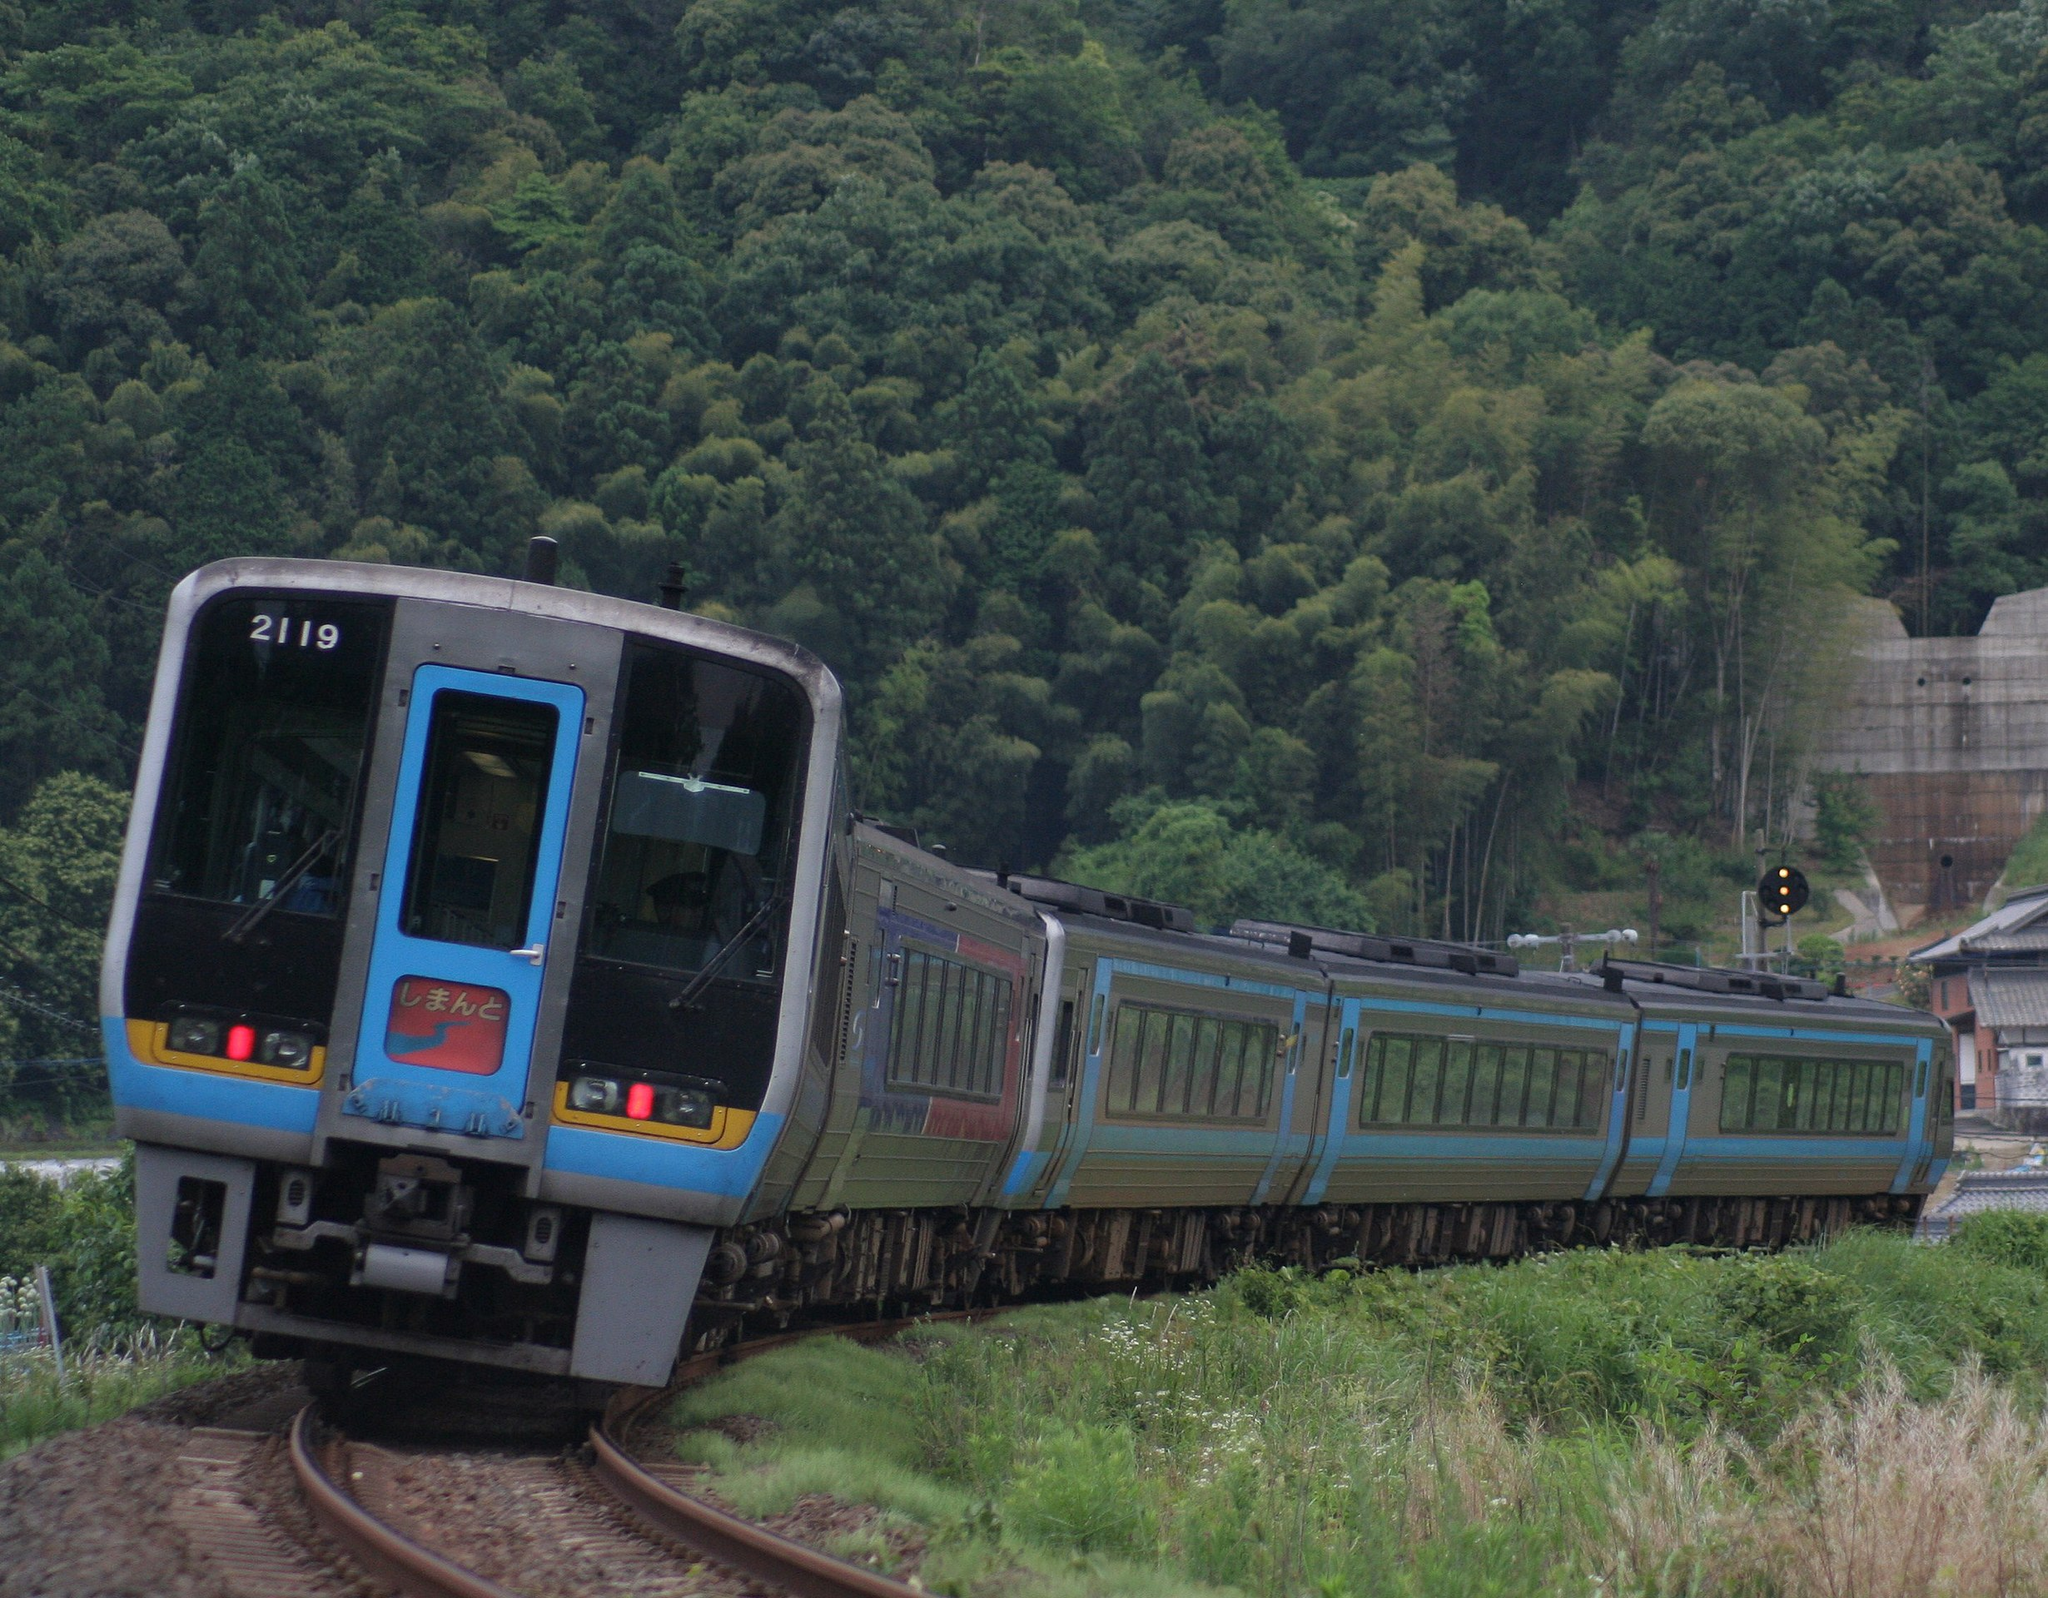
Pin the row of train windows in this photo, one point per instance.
(1171, 1063)
(951, 1028)
(1424, 1081)
(1774, 1093)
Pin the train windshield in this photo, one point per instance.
(260, 789)
(704, 794)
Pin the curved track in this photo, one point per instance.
(659, 1510)
(390, 1556)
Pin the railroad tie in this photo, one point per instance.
(238, 1544)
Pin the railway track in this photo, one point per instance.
(329, 1474)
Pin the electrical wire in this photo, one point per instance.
(12, 1073)
(10, 994)
(58, 710)
(43, 904)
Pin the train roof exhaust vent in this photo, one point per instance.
(1710, 979)
(1077, 900)
(1302, 940)
(541, 557)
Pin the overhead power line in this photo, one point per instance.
(10, 994)
(44, 904)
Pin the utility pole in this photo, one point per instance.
(1926, 372)
(1654, 869)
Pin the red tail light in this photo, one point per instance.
(241, 1042)
(640, 1101)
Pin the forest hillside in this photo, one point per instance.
(1387, 461)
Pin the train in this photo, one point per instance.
(502, 974)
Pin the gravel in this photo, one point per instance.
(191, 1497)
(94, 1512)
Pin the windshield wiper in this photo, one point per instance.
(697, 984)
(251, 918)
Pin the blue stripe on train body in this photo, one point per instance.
(204, 1095)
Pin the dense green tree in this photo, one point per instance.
(1190, 854)
(422, 419)
(1363, 451)
(854, 536)
(58, 862)
(1148, 474)
(1360, 88)
(53, 713)
(246, 272)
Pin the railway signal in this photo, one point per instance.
(1781, 894)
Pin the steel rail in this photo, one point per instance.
(391, 1557)
(387, 1555)
(741, 1544)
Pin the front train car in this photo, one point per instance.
(461, 959)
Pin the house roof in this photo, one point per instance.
(2018, 926)
(1978, 1191)
(2009, 998)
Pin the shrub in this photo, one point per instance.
(85, 1233)
(1791, 1305)
(1079, 1488)
(2005, 1237)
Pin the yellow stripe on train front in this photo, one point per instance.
(149, 1042)
(728, 1129)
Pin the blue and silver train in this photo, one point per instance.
(502, 974)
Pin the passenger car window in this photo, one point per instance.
(950, 1031)
(1779, 1093)
(1183, 1064)
(1435, 1081)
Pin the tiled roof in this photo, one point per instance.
(1978, 1191)
(2009, 998)
(2015, 917)
(2026, 940)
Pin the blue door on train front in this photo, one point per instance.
(463, 923)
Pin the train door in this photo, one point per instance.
(1652, 1077)
(481, 809)
(1618, 1126)
(1035, 1168)
(1333, 1115)
(1920, 1132)
(472, 865)
(1302, 1065)
(1684, 1067)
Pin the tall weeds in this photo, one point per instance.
(104, 1376)
(1857, 1421)
(1881, 1497)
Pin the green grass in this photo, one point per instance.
(115, 1357)
(1666, 1422)
(101, 1381)
(2028, 865)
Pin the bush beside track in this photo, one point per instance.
(1853, 1417)
(115, 1357)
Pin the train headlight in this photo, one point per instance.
(596, 1095)
(634, 1097)
(684, 1106)
(195, 1034)
(291, 1051)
